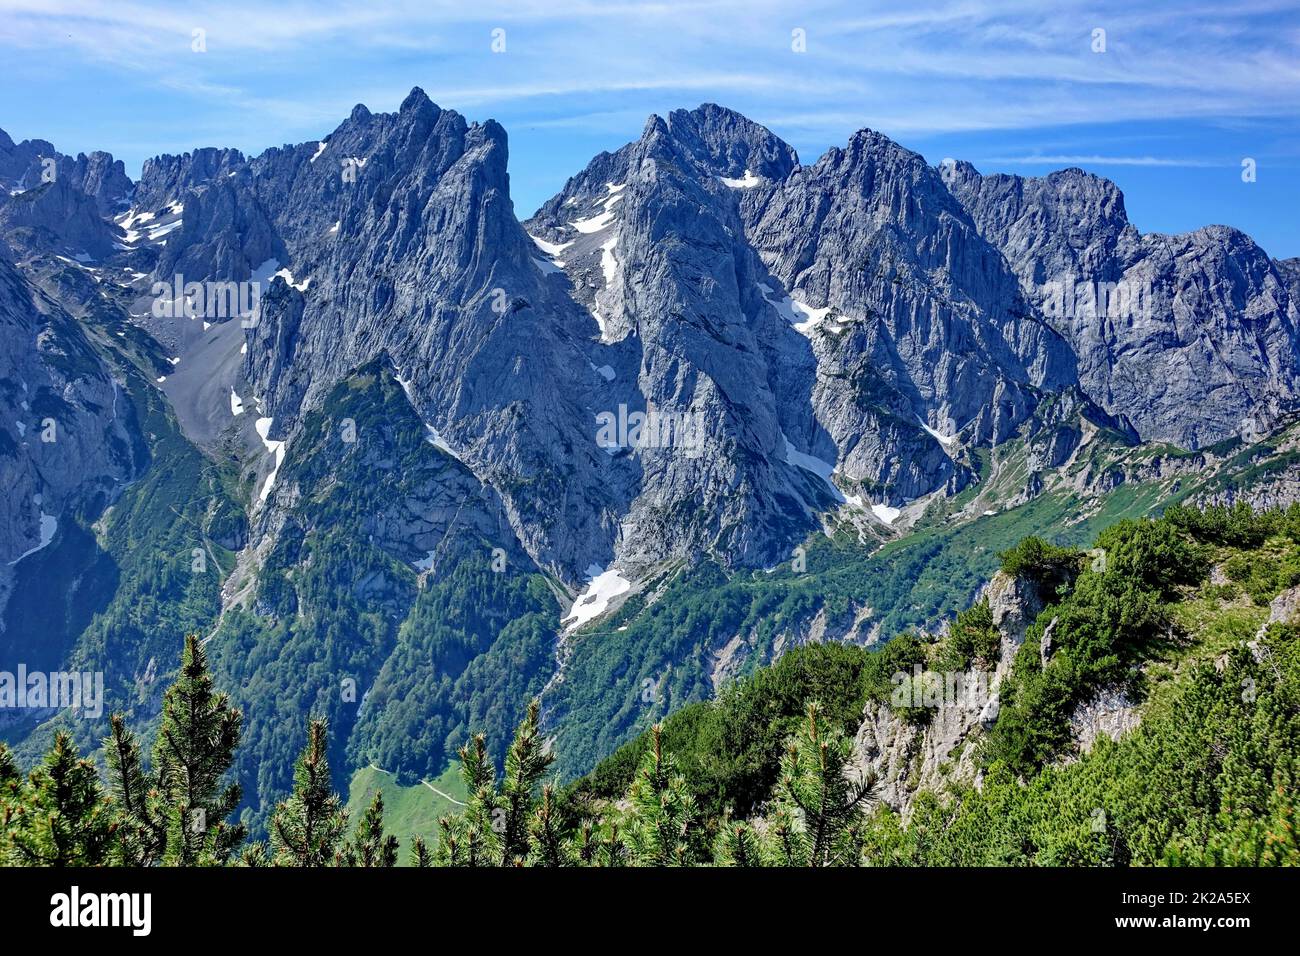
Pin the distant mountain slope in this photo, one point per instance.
(1160, 324)
(1137, 711)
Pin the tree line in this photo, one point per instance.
(178, 809)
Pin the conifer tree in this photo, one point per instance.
(526, 761)
(194, 750)
(307, 827)
(10, 797)
(785, 843)
(610, 849)
(549, 847)
(470, 838)
(141, 834)
(584, 846)
(420, 854)
(818, 817)
(254, 855)
(663, 826)
(738, 845)
(370, 848)
(8, 768)
(62, 817)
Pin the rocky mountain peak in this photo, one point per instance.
(1138, 309)
(731, 145)
(165, 179)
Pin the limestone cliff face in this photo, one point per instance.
(67, 441)
(804, 339)
(1159, 324)
(840, 336)
(35, 162)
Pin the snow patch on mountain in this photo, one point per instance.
(804, 318)
(885, 513)
(552, 249)
(432, 435)
(602, 588)
(943, 439)
(275, 448)
(817, 466)
(608, 264)
(49, 525)
(748, 181)
(287, 276)
(603, 219)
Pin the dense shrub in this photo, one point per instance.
(1047, 565)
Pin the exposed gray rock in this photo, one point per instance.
(56, 216)
(909, 756)
(166, 179)
(66, 445)
(1014, 604)
(1045, 644)
(1285, 608)
(98, 175)
(1160, 324)
(1111, 712)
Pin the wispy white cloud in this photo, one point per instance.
(1029, 63)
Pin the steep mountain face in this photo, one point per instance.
(871, 323)
(58, 217)
(1159, 324)
(395, 237)
(653, 246)
(67, 441)
(871, 230)
(436, 425)
(166, 178)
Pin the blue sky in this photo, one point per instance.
(1182, 93)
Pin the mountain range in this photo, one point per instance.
(406, 460)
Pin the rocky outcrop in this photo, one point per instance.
(23, 166)
(66, 431)
(166, 179)
(56, 217)
(1275, 485)
(1111, 712)
(1159, 324)
(909, 755)
(1285, 608)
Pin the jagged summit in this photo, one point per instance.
(846, 332)
(731, 144)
